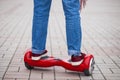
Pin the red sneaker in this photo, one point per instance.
(77, 60)
(38, 56)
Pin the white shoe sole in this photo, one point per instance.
(76, 63)
(39, 57)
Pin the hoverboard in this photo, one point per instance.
(87, 65)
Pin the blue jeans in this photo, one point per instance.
(73, 27)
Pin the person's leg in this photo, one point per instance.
(73, 30)
(73, 26)
(40, 24)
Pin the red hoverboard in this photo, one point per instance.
(87, 66)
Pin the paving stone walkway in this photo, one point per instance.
(101, 37)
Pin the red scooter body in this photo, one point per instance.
(85, 66)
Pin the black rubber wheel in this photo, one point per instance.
(89, 71)
(28, 66)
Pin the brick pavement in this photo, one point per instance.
(101, 37)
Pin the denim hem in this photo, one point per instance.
(74, 52)
(37, 51)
